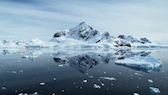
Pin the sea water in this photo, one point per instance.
(89, 73)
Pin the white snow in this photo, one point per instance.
(154, 90)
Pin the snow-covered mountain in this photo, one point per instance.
(82, 36)
(84, 33)
(134, 40)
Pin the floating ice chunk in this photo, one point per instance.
(91, 76)
(102, 84)
(62, 90)
(4, 88)
(14, 72)
(149, 80)
(23, 94)
(136, 94)
(54, 79)
(35, 93)
(138, 74)
(96, 86)
(60, 65)
(142, 63)
(108, 78)
(42, 83)
(85, 80)
(154, 90)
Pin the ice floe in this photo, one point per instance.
(142, 63)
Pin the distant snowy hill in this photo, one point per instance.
(34, 43)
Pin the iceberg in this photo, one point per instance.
(142, 63)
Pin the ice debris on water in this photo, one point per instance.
(54, 79)
(14, 72)
(149, 80)
(4, 88)
(154, 90)
(35, 93)
(96, 86)
(42, 83)
(136, 94)
(108, 78)
(102, 84)
(60, 65)
(91, 76)
(138, 74)
(23, 94)
(85, 80)
(17, 72)
(62, 90)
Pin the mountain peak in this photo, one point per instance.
(82, 26)
(83, 23)
(82, 32)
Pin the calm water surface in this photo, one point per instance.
(63, 73)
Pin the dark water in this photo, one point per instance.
(89, 73)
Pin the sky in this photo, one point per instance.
(27, 19)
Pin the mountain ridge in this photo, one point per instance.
(86, 33)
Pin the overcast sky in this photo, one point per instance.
(27, 19)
